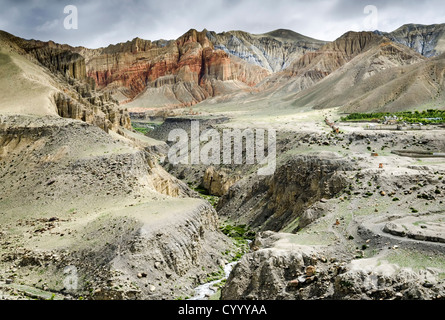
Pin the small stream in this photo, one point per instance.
(203, 291)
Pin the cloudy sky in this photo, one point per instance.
(104, 22)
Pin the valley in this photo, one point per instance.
(92, 207)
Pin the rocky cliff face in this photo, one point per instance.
(66, 62)
(76, 96)
(315, 66)
(282, 200)
(55, 57)
(428, 40)
(273, 51)
(182, 72)
(92, 107)
(218, 181)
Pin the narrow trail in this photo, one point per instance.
(376, 227)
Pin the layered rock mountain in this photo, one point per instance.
(359, 72)
(314, 66)
(354, 81)
(428, 40)
(416, 86)
(168, 73)
(196, 66)
(273, 51)
(385, 76)
(176, 73)
(146, 75)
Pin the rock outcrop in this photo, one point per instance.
(70, 90)
(95, 108)
(282, 200)
(428, 40)
(67, 62)
(273, 51)
(280, 270)
(102, 208)
(56, 57)
(218, 181)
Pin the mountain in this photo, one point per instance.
(143, 74)
(169, 73)
(379, 65)
(428, 40)
(196, 66)
(314, 66)
(385, 76)
(417, 86)
(358, 72)
(273, 51)
(82, 192)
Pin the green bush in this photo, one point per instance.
(240, 232)
(429, 116)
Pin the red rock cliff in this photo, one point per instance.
(132, 67)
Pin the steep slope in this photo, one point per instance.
(428, 40)
(360, 71)
(273, 51)
(314, 66)
(370, 69)
(18, 77)
(412, 87)
(49, 79)
(169, 73)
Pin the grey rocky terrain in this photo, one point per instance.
(91, 208)
(368, 232)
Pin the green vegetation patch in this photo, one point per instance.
(240, 232)
(241, 235)
(144, 127)
(430, 116)
(203, 193)
(144, 131)
(216, 275)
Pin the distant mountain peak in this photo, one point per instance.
(428, 40)
(287, 34)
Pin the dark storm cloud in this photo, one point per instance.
(103, 22)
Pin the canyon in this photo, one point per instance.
(90, 208)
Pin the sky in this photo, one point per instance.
(98, 23)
